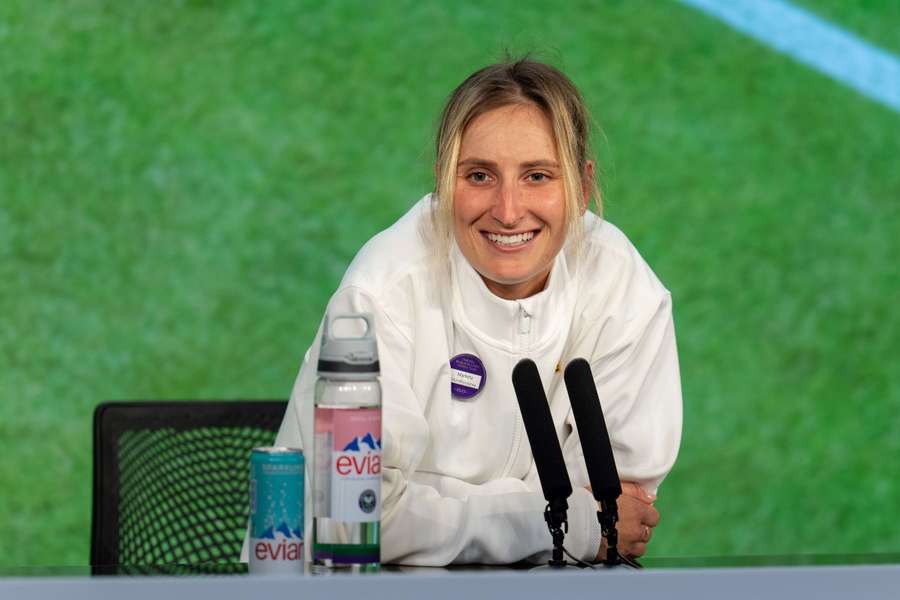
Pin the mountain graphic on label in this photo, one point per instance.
(368, 440)
(283, 530)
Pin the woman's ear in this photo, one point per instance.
(587, 184)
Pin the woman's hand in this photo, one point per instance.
(637, 518)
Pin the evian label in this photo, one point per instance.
(355, 463)
(277, 550)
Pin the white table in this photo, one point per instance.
(794, 583)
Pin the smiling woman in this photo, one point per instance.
(504, 262)
(509, 209)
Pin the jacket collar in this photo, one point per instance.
(514, 325)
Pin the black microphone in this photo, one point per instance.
(597, 449)
(598, 454)
(535, 410)
(545, 448)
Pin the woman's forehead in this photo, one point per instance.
(519, 133)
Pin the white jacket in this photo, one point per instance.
(459, 481)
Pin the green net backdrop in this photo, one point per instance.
(184, 495)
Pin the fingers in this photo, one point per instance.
(635, 544)
(637, 550)
(650, 517)
(637, 518)
(630, 488)
(635, 527)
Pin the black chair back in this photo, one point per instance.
(171, 479)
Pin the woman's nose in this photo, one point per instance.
(508, 209)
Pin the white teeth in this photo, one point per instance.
(510, 240)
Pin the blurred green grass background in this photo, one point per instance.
(183, 183)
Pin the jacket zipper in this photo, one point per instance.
(524, 322)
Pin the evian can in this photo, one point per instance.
(276, 511)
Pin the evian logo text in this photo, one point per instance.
(281, 550)
(353, 464)
(279, 543)
(360, 457)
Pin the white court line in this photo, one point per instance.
(814, 42)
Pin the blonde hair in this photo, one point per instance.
(524, 81)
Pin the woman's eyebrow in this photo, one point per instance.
(531, 164)
(476, 162)
(540, 163)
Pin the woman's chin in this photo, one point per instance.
(514, 286)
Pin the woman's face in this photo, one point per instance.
(509, 209)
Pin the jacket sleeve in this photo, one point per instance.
(634, 361)
(429, 519)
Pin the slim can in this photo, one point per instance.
(276, 511)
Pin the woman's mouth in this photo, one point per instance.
(510, 242)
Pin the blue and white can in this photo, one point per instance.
(276, 511)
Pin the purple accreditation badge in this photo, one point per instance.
(467, 376)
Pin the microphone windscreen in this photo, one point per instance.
(542, 438)
(595, 442)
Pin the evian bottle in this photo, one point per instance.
(347, 452)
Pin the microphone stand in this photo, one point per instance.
(608, 515)
(558, 523)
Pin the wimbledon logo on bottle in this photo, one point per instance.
(356, 478)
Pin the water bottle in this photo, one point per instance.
(347, 449)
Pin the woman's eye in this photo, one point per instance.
(478, 177)
(538, 177)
